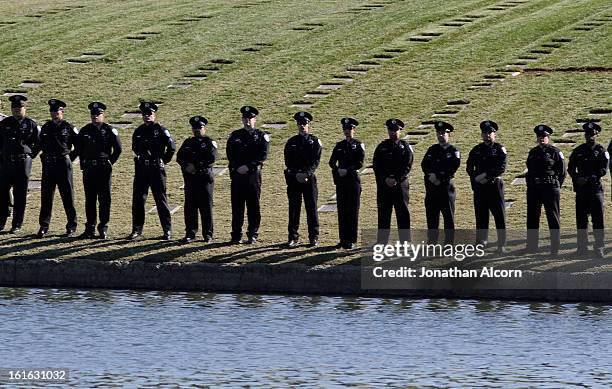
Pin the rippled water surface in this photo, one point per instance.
(159, 339)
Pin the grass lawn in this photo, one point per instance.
(517, 62)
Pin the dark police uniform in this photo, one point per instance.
(349, 155)
(610, 153)
(201, 152)
(154, 148)
(98, 149)
(545, 176)
(393, 160)
(19, 142)
(57, 141)
(302, 157)
(249, 148)
(588, 163)
(440, 196)
(489, 159)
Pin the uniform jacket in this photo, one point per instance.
(58, 140)
(393, 160)
(96, 144)
(248, 148)
(302, 154)
(590, 163)
(545, 166)
(349, 155)
(200, 151)
(19, 138)
(486, 159)
(444, 162)
(153, 142)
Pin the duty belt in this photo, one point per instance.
(53, 158)
(17, 157)
(96, 162)
(151, 162)
(545, 180)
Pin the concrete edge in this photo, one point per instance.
(279, 279)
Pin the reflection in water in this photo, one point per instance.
(142, 339)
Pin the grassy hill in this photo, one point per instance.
(517, 62)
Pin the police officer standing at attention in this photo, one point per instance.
(345, 161)
(196, 157)
(392, 164)
(57, 140)
(19, 142)
(610, 153)
(545, 176)
(485, 165)
(439, 164)
(302, 157)
(588, 163)
(247, 149)
(98, 148)
(154, 148)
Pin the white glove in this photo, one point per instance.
(481, 178)
(301, 177)
(391, 182)
(244, 169)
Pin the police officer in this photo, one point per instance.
(439, 164)
(19, 142)
(98, 148)
(610, 153)
(588, 163)
(392, 163)
(302, 157)
(545, 176)
(345, 162)
(485, 166)
(154, 148)
(57, 140)
(196, 157)
(247, 149)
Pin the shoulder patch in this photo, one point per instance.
(561, 155)
(503, 149)
(114, 130)
(267, 137)
(167, 133)
(607, 155)
(214, 144)
(362, 146)
(457, 154)
(320, 144)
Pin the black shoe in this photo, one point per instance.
(188, 239)
(167, 235)
(340, 245)
(581, 252)
(103, 235)
(69, 233)
(2, 225)
(208, 239)
(313, 242)
(15, 230)
(251, 240)
(87, 235)
(501, 250)
(600, 253)
(349, 246)
(134, 235)
(235, 241)
(42, 232)
(293, 242)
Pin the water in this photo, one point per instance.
(160, 339)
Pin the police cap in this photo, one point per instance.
(249, 112)
(542, 130)
(55, 105)
(591, 128)
(96, 107)
(18, 101)
(147, 107)
(349, 122)
(302, 117)
(394, 124)
(488, 126)
(443, 127)
(198, 121)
